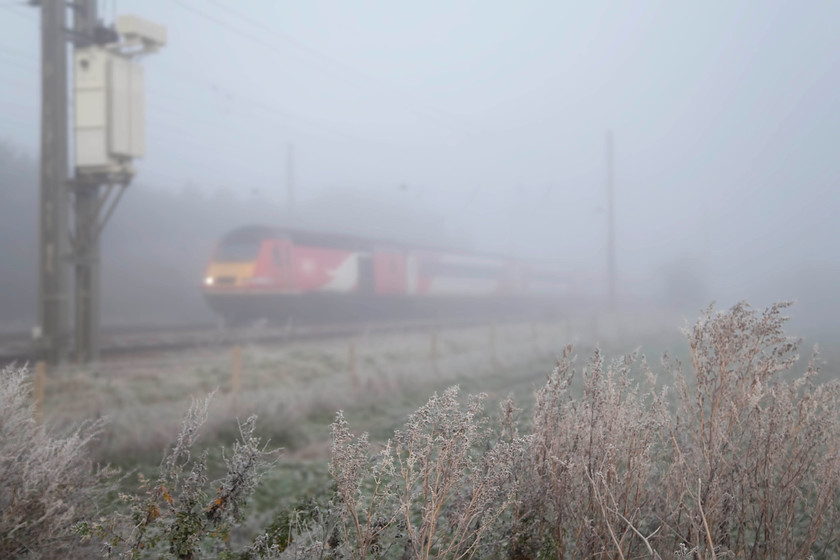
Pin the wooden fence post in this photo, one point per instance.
(40, 381)
(493, 354)
(351, 366)
(433, 352)
(534, 337)
(236, 373)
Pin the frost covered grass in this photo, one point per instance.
(731, 452)
(296, 388)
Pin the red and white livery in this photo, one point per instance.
(281, 274)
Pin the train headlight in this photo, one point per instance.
(208, 281)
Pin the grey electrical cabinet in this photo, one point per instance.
(109, 111)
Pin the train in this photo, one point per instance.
(287, 275)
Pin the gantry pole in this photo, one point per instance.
(54, 243)
(86, 258)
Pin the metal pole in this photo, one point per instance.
(290, 182)
(236, 374)
(38, 390)
(86, 207)
(611, 219)
(87, 274)
(351, 367)
(433, 352)
(54, 243)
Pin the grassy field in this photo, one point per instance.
(376, 379)
(295, 389)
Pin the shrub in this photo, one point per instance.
(755, 456)
(179, 515)
(434, 491)
(740, 459)
(47, 480)
(745, 462)
(592, 470)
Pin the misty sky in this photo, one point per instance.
(492, 116)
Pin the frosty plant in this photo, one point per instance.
(178, 515)
(364, 490)
(755, 456)
(435, 489)
(589, 481)
(47, 480)
(740, 458)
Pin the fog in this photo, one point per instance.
(475, 125)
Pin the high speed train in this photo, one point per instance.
(280, 274)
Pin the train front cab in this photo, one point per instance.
(248, 274)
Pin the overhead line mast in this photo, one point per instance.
(53, 246)
(611, 220)
(86, 258)
(108, 134)
(290, 183)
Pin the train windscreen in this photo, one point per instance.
(241, 251)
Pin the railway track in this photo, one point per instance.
(17, 348)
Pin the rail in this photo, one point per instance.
(16, 348)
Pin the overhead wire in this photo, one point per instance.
(17, 62)
(241, 103)
(184, 134)
(255, 24)
(246, 103)
(20, 59)
(24, 84)
(160, 119)
(10, 8)
(350, 74)
(15, 121)
(18, 53)
(19, 105)
(197, 152)
(191, 142)
(14, 58)
(251, 103)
